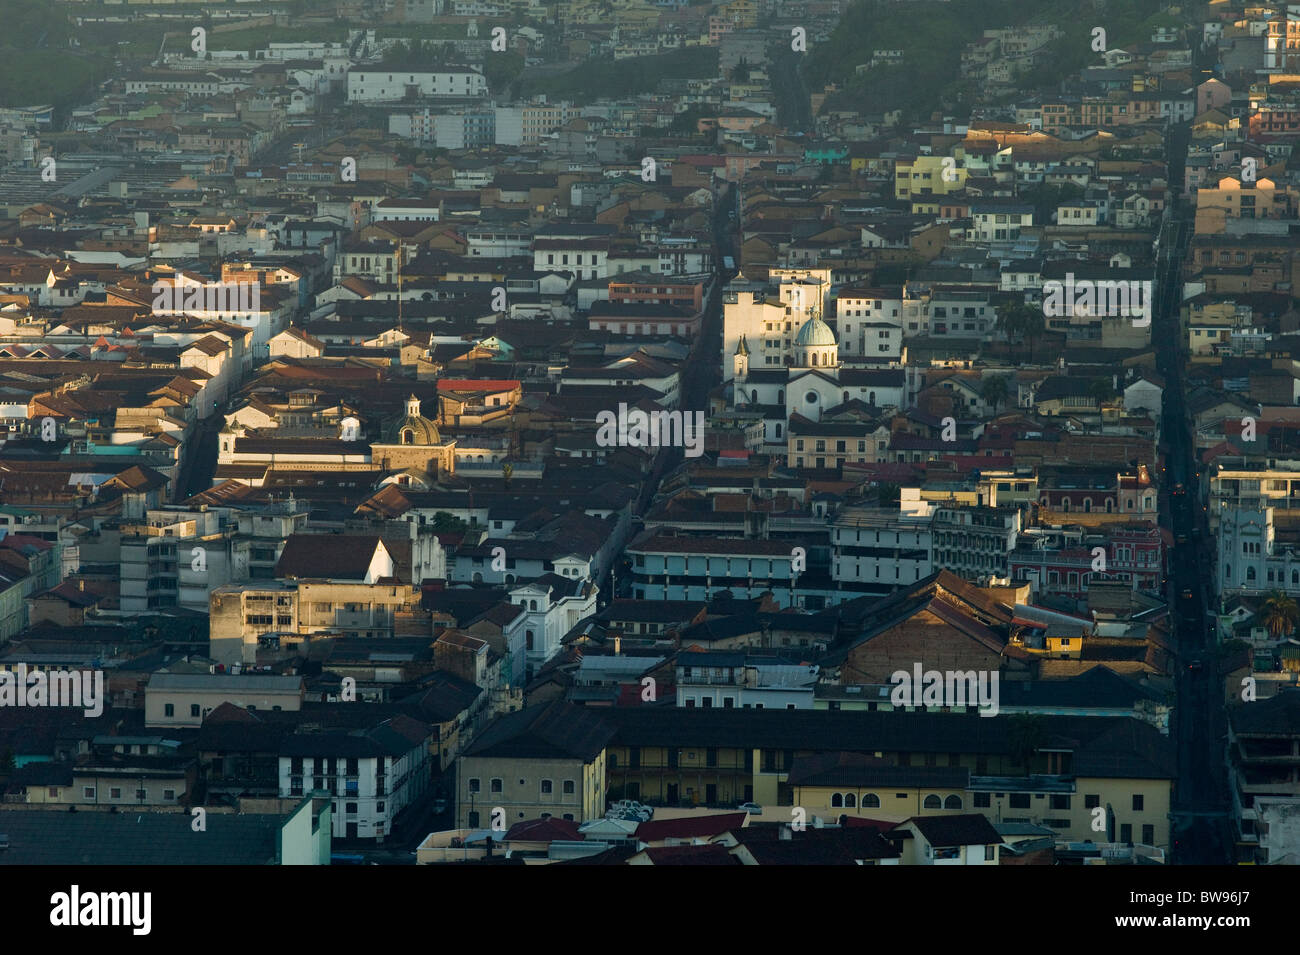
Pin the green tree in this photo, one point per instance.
(442, 521)
(1101, 390)
(1279, 614)
(1023, 323)
(994, 391)
(1026, 735)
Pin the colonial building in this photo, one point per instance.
(413, 441)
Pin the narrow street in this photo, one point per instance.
(1200, 824)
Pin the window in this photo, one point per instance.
(1020, 800)
(568, 787)
(1091, 802)
(169, 709)
(1060, 802)
(547, 787)
(850, 801)
(115, 793)
(194, 709)
(982, 801)
(1126, 832)
(933, 802)
(89, 792)
(952, 802)
(837, 800)
(1148, 835)
(169, 794)
(475, 786)
(495, 785)
(870, 801)
(989, 852)
(1137, 803)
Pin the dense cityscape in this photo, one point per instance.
(649, 432)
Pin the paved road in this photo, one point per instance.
(1199, 723)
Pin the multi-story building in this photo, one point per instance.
(539, 762)
(875, 550)
(1250, 502)
(380, 86)
(372, 775)
(869, 322)
(1264, 776)
(975, 541)
(1061, 560)
(729, 679)
(666, 566)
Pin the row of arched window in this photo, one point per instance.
(872, 801)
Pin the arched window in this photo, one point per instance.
(870, 801)
(780, 396)
(871, 398)
(933, 802)
(846, 397)
(753, 396)
(850, 801)
(532, 605)
(1295, 576)
(1087, 505)
(1250, 573)
(408, 436)
(837, 801)
(528, 634)
(1227, 571)
(952, 802)
(778, 431)
(1065, 504)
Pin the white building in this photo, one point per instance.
(383, 86)
(371, 775)
(553, 605)
(731, 679)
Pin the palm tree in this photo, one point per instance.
(1023, 322)
(1279, 614)
(994, 390)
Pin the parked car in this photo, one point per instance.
(753, 808)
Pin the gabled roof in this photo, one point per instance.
(966, 829)
(332, 557)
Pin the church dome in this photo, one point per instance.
(815, 332)
(413, 428)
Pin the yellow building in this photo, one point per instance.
(924, 176)
(901, 765)
(538, 762)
